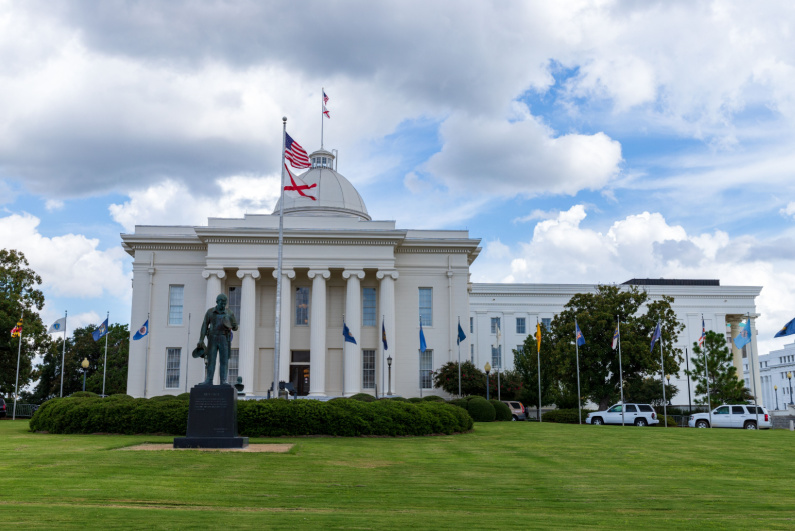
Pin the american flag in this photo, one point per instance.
(325, 98)
(703, 333)
(325, 111)
(295, 153)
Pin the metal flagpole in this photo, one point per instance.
(146, 359)
(538, 355)
(105, 365)
(706, 373)
(577, 351)
(277, 334)
(383, 353)
(459, 357)
(63, 352)
(662, 369)
(751, 364)
(689, 397)
(322, 103)
(620, 369)
(16, 385)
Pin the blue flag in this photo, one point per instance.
(423, 346)
(788, 329)
(142, 331)
(347, 334)
(101, 331)
(744, 337)
(461, 335)
(580, 337)
(383, 334)
(655, 336)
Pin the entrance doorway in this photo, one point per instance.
(299, 371)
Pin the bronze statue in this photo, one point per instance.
(217, 326)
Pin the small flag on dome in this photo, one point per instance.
(325, 111)
(295, 153)
(325, 98)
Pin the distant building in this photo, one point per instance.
(774, 367)
(340, 265)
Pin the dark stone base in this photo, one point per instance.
(210, 442)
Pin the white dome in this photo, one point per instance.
(335, 195)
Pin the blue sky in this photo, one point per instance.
(583, 141)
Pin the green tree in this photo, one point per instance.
(648, 391)
(526, 363)
(82, 346)
(19, 297)
(473, 381)
(596, 314)
(724, 385)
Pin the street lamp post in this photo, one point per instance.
(85, 368)
(665, 412)
(389, 364)
(487, 367)
(789, 377)
(775, 390)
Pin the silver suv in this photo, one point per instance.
(637, 414)
(733, 416)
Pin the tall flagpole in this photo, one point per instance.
(577, 352)
(277, 346)
(538, 355)
(105, 365)
(322, 103)
(620, 369)
(662, 369)
(459, 356)
(63, 352)
(146, 359)
(19, 355)
(706, 374)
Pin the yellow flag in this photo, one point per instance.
(538, 336)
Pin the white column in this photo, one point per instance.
(352, 354)
(317, 338)
(737, 354)
(214, 287)
(247, 327)
(753, 362)
(386, 303)
(285, 325)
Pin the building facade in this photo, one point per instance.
(776, 370)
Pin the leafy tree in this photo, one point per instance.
(648, 391)
(526, 362)
(596, 315)
(82, 346)
(724, 385)
(473, 381)
(19, 297)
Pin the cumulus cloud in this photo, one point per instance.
(69, 265)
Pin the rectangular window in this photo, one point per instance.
(519, 348)
(471, 325)
(302, 306)
(368, 307)
(546, 322)
(234, 364)
(173, 358)
(521, 325)
(472, 352)
(496, 356)
(495, 322)
(368, 369)
(426, 369)
(176, 298)
(426, 306)
(233, 303)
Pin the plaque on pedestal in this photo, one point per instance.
(212, 419)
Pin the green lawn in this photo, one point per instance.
(502, 476)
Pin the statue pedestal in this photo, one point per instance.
(212, 419)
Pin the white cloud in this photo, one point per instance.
(789, 210)
(53, 204)
(69, 265)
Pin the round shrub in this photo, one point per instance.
(363, 397)
(184, 396)
(501, 410)
(398, 399)
(433, 398)
(165, 397)
(481, 410)
(460, 402)
(415, 399)
(83, 394)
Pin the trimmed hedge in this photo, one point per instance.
(255, 418)
(481, 410)
(433, 398)
(564, 416)
(363, 397)
(502, 411)
(460, 402)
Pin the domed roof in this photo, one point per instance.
(335, 195)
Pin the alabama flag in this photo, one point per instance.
(297, 187)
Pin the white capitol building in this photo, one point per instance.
(339, 263)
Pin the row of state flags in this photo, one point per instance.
(348, 337)
(102, 330)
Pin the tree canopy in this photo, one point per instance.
(725, 387)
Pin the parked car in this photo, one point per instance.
(2, 408)
(733, 416)
(637, 414)
(517, 410)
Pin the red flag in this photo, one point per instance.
(325, 111)
(298, 186)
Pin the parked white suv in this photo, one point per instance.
(733, 416)
(637, 414)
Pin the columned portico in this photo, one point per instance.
(247, 327)
(285, 323)
(317, 338)
(352, 357)
(386, 303)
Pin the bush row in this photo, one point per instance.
(564, 416)
(256, 418)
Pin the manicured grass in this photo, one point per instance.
(511, 475)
